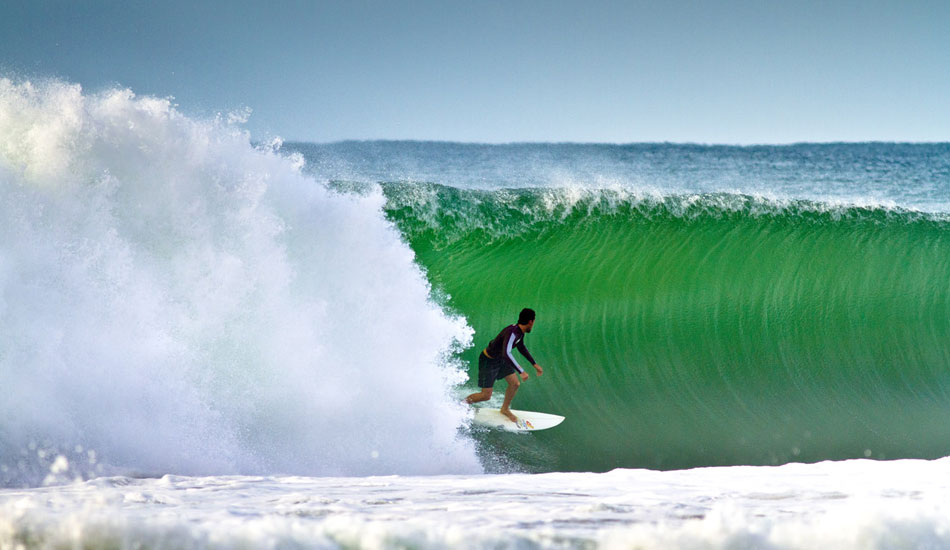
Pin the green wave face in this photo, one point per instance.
(708, 330)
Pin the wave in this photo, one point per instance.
(696, 330)
(175, 300)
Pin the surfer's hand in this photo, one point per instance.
(524, 375)
(539, 370)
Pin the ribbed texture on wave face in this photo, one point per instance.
(694, 330)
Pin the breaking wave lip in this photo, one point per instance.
(447, 213)
(911, 175)
(175, 300)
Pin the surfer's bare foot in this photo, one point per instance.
(511, 416)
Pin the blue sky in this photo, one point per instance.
(708, 72)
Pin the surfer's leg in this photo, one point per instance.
(483, 395)
(513, 383)
(486, 379)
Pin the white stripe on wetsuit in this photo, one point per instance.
(511, 356)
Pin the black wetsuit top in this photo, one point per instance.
(510, 337)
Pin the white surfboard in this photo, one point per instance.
(528, 421)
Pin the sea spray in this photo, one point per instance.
(910, 175)
(173, 300)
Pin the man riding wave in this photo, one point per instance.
(497, 362)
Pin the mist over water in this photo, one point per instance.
(175, 300)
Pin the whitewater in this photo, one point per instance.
(177, 300)
(208, 341)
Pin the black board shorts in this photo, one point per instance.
(490, 370)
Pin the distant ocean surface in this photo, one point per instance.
(209, 342)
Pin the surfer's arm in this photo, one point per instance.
(510, 356)
(524, 351)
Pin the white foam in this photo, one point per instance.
(175, 300)
(845, 505)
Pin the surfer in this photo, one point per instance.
(496, 362)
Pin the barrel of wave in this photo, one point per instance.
(721, 338)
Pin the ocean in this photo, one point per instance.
(211, 341)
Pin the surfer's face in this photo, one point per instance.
(527, 328)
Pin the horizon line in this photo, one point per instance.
(612, 143)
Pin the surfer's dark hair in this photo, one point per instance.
(526, 316)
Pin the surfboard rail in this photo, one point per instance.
(528, 421)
